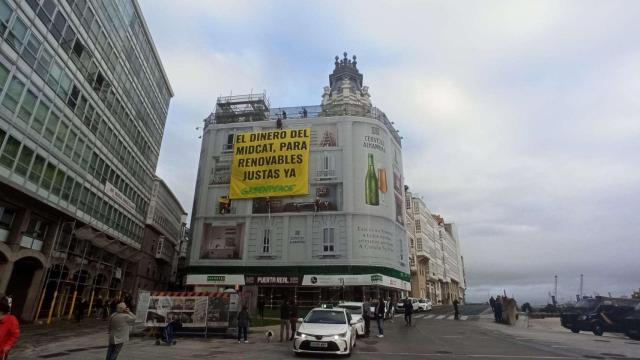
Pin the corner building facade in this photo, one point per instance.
(343, 240)
(83, 104)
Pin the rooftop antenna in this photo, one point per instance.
(581, 284)
(555, 288)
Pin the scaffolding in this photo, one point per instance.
(242, 108)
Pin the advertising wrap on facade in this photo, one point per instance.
(378, 172)
(222, 242)
(191, 311)
(270, 163)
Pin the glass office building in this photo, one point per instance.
(83, 104)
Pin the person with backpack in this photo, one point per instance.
(408, 311)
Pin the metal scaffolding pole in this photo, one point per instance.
(95, 278)
(48, 274)
(75, 290)
(64, 262)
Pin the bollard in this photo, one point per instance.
(44, 292)
(73, 304)
(53, 304)
(91, 302)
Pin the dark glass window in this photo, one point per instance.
(59, 22)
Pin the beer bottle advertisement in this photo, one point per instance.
(371, 195)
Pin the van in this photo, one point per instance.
(598, 315)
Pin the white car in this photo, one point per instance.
(400, 305)
(355, 309)
(424, 305)
(326, 331)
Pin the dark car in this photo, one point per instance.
(632, 324)
(599, 315)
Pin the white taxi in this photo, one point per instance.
(326, 331)
(356, 309)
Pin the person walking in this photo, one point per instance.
(243, 323)
(380, 310)
(492, 303)
(456, 312)
(9, 329)
(261, 307)
(118, 330)
(80, 309)
(408, 311)
(285, 314)
(366, 316)
(293, 318)
(498, 309)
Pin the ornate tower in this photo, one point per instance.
(345, 94)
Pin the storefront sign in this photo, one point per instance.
(272, 280)
(196, 279)
(270, 163)
(355, 280)
(119, 197)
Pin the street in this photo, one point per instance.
(433, 335)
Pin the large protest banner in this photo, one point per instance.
(271, 163)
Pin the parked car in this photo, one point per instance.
(356, 309)
(424, 305)
(400, 304)
(632, 324)
(599, 315)
(326, 331)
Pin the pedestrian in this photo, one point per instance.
(243, 323)
(498, 309)
(492, 303)
(9, 329)
(261, 307)
(284, 115)
(105, 309)
(304, 112)
(366, 316)
(408, 311)
(456, 312)
(380, 310)
(392, 308)
(118, 329)
(80, 309)
(293, 318)
(285, 314)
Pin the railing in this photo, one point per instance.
(316, 111)
(326, 173)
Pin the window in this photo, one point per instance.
(27, 106)
(68, 39)
(43, 64)
(328, 241)
(24, 161)
(66, 188)
(411, 243)
(61, 135)
(5, 15)
(266, 241)
(46, 12)
(419, 243)
(54, 75)
(58, 180)
(47, 178)
(71, 143)
(59, 22)
(4, 74)
(12, 97)
(37, 228)
(77, 153)
(39, 118)
(6, 217)
(51, 127)
(17, 34)
(10, 152)
(31, 50)
(418, 226)
(36, 169)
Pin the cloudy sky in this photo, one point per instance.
(520, 118)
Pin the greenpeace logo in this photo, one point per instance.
(267, 189)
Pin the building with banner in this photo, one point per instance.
(83, 104)
(301, 202)
(437, 268)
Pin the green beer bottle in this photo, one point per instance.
(371, 184)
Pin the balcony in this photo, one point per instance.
(327, 174)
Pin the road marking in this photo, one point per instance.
(470, 355)
(440, 317)
(419, 316)
(559, 346)
(464, 317)
(450, 317)
(431, 316)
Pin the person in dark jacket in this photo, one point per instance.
(285, 314)
(366, 316)
(293, 318)
(243, 323)
(80, 309)
(456, 311)
(408, 311)
(492, 303)
(261, 307)
(380, 310)
(498, 309)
